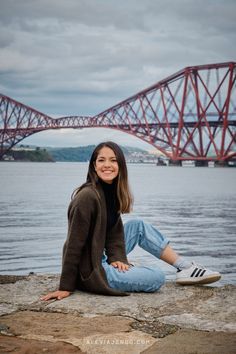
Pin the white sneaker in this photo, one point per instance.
(196, 274)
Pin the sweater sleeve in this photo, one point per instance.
(115, 244)
(80, 215)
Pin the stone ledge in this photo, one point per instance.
(106, 324)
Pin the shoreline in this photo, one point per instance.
(177, 319)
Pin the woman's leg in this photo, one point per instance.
(152, 278)
(139, 278)
(150, 239)
(169, 255)
(136, 279)
(146, 236)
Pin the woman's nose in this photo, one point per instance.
(107, 163)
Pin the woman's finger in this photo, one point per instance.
(59, 294)
(122, 267)
(47, 297)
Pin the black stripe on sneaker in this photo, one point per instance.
(198, 273)
(195, 270)
(203, 272)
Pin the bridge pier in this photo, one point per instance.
(175, 163)
(199, 163)
(225, 163)
(161, 162)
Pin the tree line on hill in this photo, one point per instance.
(62, 154)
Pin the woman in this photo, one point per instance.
(95, 252)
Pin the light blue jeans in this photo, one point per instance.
(138, 278)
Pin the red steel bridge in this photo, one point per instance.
(190, 115)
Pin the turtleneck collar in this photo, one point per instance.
(111, 203)
(107, 186)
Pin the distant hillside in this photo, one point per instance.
(37, 155)
(62, 154)
(72, 154)
(82, 153)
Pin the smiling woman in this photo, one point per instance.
(95, 252)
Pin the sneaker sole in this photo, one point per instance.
(192, 281)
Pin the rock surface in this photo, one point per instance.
(139, 323)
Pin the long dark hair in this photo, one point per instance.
(122, 186)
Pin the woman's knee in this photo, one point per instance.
(134, 226)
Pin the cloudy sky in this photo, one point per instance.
(79, 57)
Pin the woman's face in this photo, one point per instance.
(106, 165)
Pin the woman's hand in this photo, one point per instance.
(122, 267)
(58, 295)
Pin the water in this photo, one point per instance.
(193, 207)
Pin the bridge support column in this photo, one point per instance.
(175, 163)
(161, 162)
(201, 163)
(222, 163)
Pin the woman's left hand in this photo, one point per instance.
(122, 267)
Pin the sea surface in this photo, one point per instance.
(194, 207)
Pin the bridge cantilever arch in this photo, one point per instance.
(190, 115)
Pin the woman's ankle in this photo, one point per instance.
(182, 263)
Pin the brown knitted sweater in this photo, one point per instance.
(86, 241)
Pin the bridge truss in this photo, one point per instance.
(190, 115)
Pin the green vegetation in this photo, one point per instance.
(37, 155)
(81, 153)
(70, 154)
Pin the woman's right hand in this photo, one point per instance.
(59, 294)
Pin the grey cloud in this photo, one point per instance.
(83, 56)
(118, 14)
